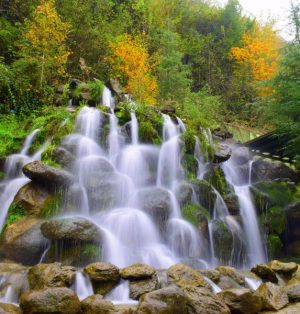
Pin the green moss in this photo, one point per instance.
(217, 179)
(95, 89)
(53, 205)
(190, 213)
(15, 212)
(189, 141)
(274, 220)
(274, 245)
(148, 134)
(190, 165)
(123, 112)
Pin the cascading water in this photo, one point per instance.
(107, 98)
(14, 179)
(240, 182)
(82, 286)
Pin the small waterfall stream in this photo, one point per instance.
(14, 179)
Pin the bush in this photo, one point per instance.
(96, 89)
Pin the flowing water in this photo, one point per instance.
(130, 191)
(14, 179)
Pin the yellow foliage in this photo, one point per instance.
(259, 52)
(44, 39)
(130, 62)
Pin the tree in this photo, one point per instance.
(173, 80)
(259, 53)
(130, 62)
(43, 45)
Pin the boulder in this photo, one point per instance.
(241, 155)
(232, 202)
(265, 273)
(104, 276)
(231, 272)
(53, 275)
(50, 300)
(9, 309)
(95, 304)
(183, 275)
(75, 229)
(212, 274)
(227, 282)
(184, 193)
(243, 301)
(157, 203)
(222, 134)
(23, 241)
(139, 287)
(117, 89)
(273, 297)
(63, 157)
(47, 176)
(169, 300)
(126, 308)
(7, 267)
(222, 153)
(137, 271)
(264, 170)
(283, 268)
(290, 309)
(293, 289)
(33, 198)
(201, 300)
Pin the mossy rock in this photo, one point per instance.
(148, 133)
(275, 245)
(274, 220)
(205, 194)
(216, 177)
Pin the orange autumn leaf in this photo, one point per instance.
(130, 61)
(259, 52)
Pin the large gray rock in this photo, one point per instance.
(50, 300)
(263, 170)
(231, 272)
(222, 153)
(74, 229)
(23, 241)
(201, 300)
(169, 300)
(157, 203)
(53, 275)
(63, 157)
(95, 304)
(243, 301)
(290, 309)
(46, 175)
(184, 193)
(273, 297)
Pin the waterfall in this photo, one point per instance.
(241, 185)
(107, 98)
(82, 286)
(14, 178)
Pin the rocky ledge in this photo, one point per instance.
(50, 288)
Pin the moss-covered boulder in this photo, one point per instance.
(201, 300)
(183, 275)
(292, 289)
(23, 241)
(264, 272)
(71, 229)
(34, 198)
(53, 275)
(184, 193)
(205, 193)
(47, 176)
(231, 272)
(286, 269)
(96, 304)
(137, 271)
(169, 300)
(138, 287)
(273, 296)
(243, 301)
(104, 276)
(50, 300)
